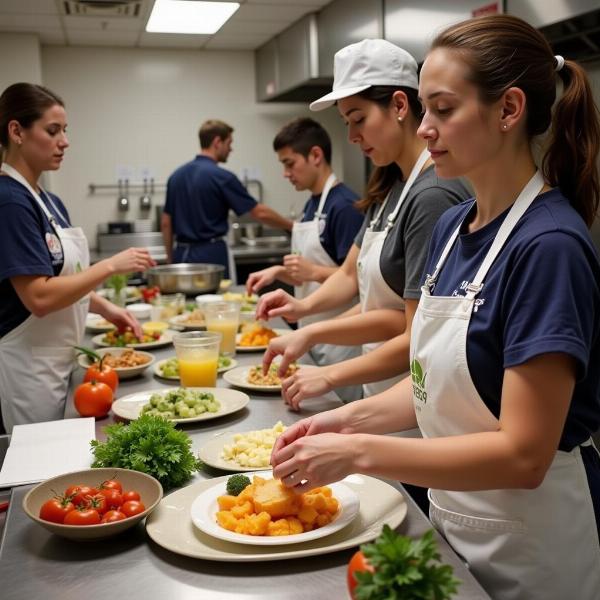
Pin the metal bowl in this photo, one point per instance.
(187, 278)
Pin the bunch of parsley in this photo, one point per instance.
(151, 445)
(405, 569)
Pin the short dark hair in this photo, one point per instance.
(25, 103)
(301, 135)
(211, 129)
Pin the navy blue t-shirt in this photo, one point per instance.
(24, 246)
(199, 197)
(340, 221)
(541, 295)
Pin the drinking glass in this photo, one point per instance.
(167, 306)
(198, 355)
(223, 317)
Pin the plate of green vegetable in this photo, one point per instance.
(169, 367)
(181, 405)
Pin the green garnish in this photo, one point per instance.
(236, 484)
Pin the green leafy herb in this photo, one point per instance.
(405, 569)
(151, 445)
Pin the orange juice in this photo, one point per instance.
(229, 330)
(198, 372)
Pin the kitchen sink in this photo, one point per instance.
(268, 241)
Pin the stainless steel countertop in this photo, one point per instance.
(36, 564)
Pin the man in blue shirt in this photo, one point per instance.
(199, 197)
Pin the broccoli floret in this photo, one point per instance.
(236, 484)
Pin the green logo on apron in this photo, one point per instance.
(78, 268)
(418, 380)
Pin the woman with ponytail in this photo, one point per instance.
(505, 342)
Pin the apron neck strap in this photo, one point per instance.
(527, 195)
(329, 183)
(414, 173)
(12, 172)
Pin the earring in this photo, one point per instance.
(505, 126)
(400, 119)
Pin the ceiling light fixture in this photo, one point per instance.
(189, 16)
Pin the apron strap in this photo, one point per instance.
(326, 189)
(12, 172)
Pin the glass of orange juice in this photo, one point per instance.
(223, 317)
(198, 355)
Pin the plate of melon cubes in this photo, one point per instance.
(264, 512)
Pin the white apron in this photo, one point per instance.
(306, 241)
(539, 544)
(36, 358)
(374, 291)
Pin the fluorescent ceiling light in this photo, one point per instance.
(189, 16)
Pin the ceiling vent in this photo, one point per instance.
(102, 8)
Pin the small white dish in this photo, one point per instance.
(123, 372)
(204, 298)
(140, 310)
(205, 507)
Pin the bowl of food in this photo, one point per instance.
(127, 362)
(187, 278)
(53, 503)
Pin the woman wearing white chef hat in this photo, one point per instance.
(46, 283)
(375, 89)
(505, 344)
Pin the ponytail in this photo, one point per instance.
(574, 144)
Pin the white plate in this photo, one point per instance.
(210, 453)
(130, 406)
(380, 503)
(257, 348)
(239, 378)
(123, 372)
(132, 294)
(165, 339)
(160, 363)
(179, 322)
(97, 324)
(205, 507)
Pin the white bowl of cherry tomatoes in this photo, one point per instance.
(94, 503)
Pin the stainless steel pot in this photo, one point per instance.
(187, 278)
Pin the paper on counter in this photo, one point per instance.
(39, 451)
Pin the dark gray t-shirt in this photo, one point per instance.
(405, 248)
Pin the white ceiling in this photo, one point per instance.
(253, 24)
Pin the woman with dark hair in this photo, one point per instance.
(375, 89)
(46, 283)
(505, 342)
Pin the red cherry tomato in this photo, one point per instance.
(73, 489)
(130, 495)
(358, 563)
(82, 516)
(97, 502)
(111, 484)
(113, 498)
(103, 374)
(93, 399)
(113, 515)
(132, 508)
(56, 509)
(82, 495)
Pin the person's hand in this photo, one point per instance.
(316, 451)
(299, 268)
(290, 347)
(132, 260)
(122, 318)
(278, 304)
(259, 279)
(307, 382)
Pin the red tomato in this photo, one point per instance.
(73, 489)
(113, 515)
(132, 508)
(358, 562)
(97, 502)
(131, 495)
(93, 399)
(82, 495)
(103, 374)
(149, 293)
(56, 509)
(113, 498)
(111, 484)
(82, 516)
